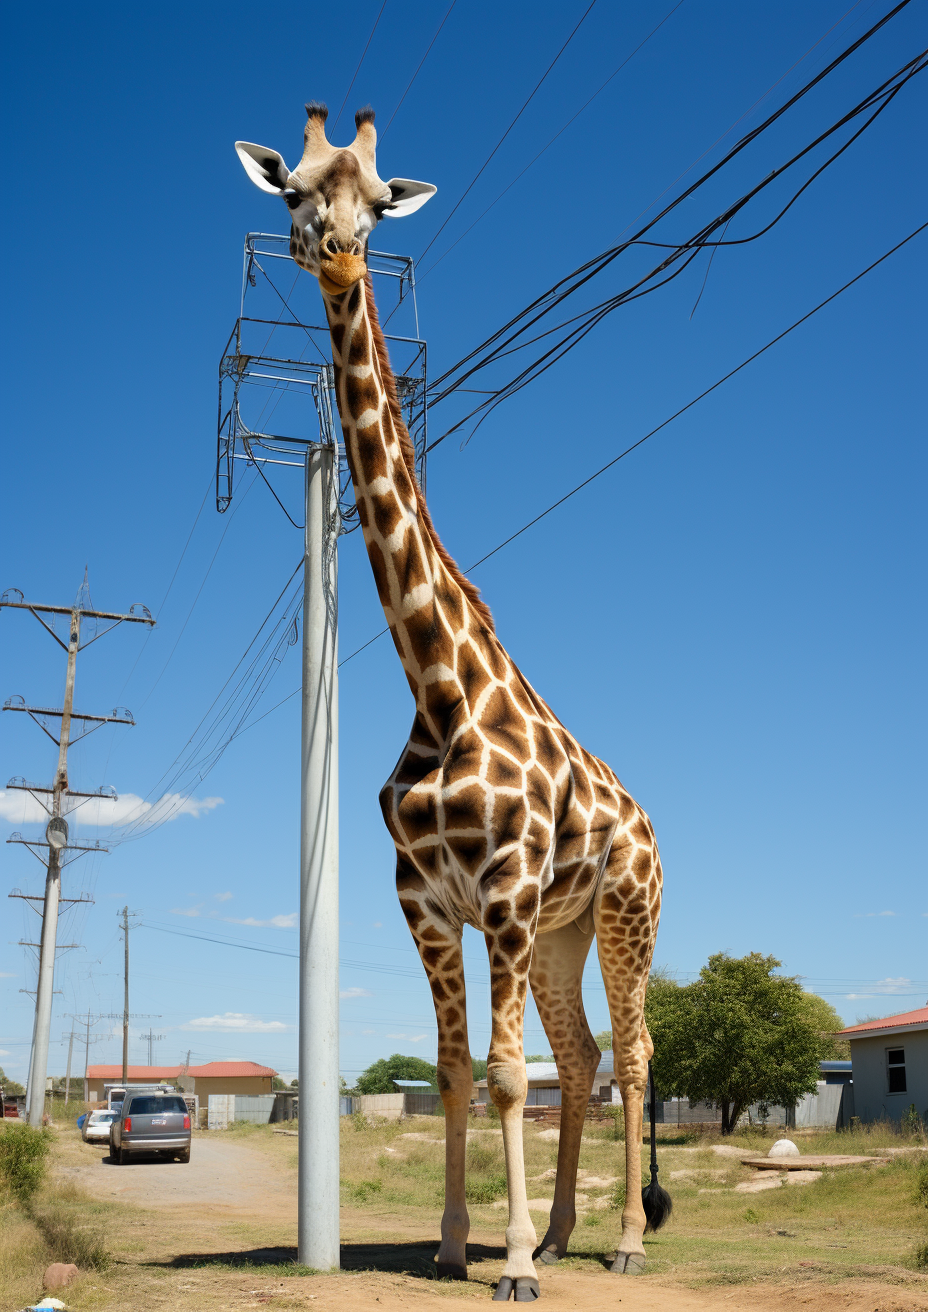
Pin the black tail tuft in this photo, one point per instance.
(316, 109)
(657, 1204)
(365, 115)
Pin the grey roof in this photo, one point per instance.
(547, 1070)
(413, 1084)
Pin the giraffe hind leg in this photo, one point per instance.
(556, 976)
(625, 915)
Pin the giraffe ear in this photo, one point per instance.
(407, 196)
(265, 167)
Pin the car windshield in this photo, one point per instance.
(156, 1106)
(97, 1117)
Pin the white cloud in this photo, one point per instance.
(276, 922)
(22, 808)
(7, 974)
(870, 915)
(236, 1022)
(410, 1038)
(355, 993)
(378, 924)
(222, 897)
(187, 911)
(4, 1053)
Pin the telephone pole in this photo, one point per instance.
(67, 1074)
(152, 1039)
(57, 801)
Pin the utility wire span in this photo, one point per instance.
(572, 282)
(685, 251)
(360, 62)
(586, 104)
(428, 49)
(499, 143)
(683, 409)
(628, 450)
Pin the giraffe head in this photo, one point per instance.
(334, 196)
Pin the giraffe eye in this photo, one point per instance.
(293, 199)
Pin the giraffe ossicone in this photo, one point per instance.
(500, 819)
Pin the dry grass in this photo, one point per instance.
(866, 1224)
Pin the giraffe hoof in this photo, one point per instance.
(549, 1256)
(451, 1271)
(525, 1289)
(628, 1264)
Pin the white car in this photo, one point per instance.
(96, 1128)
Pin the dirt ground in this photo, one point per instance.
(236, 1202)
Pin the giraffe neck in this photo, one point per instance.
(427, 601)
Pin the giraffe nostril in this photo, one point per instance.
(331, 245)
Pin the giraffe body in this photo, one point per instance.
(500, 819)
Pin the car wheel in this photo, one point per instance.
(122, 1157)
(184, 1156)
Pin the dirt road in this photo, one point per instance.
(230, 1176)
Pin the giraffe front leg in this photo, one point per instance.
(510, 948)
(439, 947)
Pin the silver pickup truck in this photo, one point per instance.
(151, 1123)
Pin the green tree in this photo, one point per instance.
(10, 1087)
(827, 1021)
(603, 1040)
(479, 1067)
(739, 1034)
(379, 1077)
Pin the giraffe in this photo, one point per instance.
(500, 819)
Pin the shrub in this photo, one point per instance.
(68, 1240)
(911, 1121)
(23, 1151)
(921, 1258)
(921, 1185)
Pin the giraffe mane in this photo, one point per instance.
(470, 590)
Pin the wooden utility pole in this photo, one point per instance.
(57, 801)
(125, 999)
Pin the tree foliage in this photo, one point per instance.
(10, 1087)
(379, 1077)
(739, 1034)
(603, 1040)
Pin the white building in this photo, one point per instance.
(890, 1061)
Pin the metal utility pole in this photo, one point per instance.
(152, 1040)
(318, 1229)
(67, 1075)
(59, 795)
(330, 509)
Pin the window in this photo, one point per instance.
(156, 1106)
(895, 1070)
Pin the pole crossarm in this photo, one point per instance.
(144, 615)
(119, 715)
(36, 897)
(107, 793)
(79, 848)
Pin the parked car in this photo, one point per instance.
(151, 1123)
(95, 1127)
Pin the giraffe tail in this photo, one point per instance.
(655, 1199)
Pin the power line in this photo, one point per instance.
(592, 267)
(683, 409)
(399, 103)
(686, 251)
(360, 62)
(614, 74)
(499, 143)
(628, 450)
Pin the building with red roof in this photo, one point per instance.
(890, 1063)
(241, 1077)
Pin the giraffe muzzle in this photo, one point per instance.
(339, 269)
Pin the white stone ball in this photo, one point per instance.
(784, 1148)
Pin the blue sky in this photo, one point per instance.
(733, 617)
